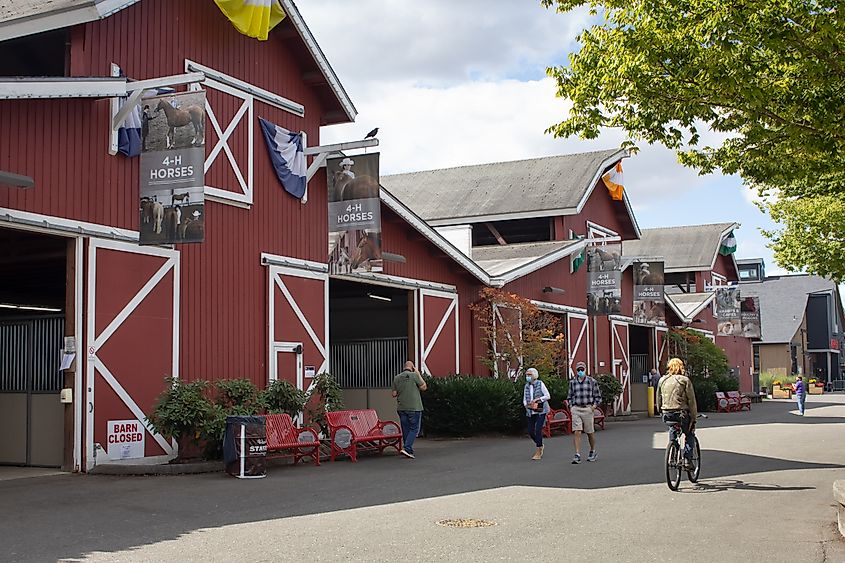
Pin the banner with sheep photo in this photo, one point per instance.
(649, 295)
(604, 280)
(172, 168)
(354, 214)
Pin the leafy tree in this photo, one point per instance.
(765, 75)
(813, 234)
(518, 335)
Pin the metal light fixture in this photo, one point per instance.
(549, 289)
(390, 257)
(379, 297)
(29, 307)
(16, 180)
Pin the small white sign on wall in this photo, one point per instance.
(126, 439)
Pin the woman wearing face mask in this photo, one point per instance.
(536, 401)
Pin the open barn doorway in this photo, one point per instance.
(369, 329)
(641, 348)
(33, 296)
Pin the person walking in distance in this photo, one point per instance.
(406, 388)
(584, 395)
(654, 380)
(535, 399)
(800, 394)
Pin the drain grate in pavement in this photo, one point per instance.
(466, 523)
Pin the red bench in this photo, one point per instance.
(726, 404)
(558, 419)
(283, 436)
(351, 431)
(598, 417)
(742, 400)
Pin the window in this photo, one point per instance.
(757, 359)
(42, 54)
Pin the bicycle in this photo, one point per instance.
(675, 459)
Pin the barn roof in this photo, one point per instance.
(501, 260)
(537, 187)
(783, 301)
(684, 249)
(26, 17)
(688, 305)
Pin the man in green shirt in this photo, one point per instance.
(406, 388)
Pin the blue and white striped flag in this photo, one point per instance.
(285, 150)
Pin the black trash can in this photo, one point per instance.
(245, 447)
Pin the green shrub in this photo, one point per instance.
(610, 389)
(282, 397)
(726, 383)
(558, 389)
(464, 405)
(238, 396)
(324, 395)
(705, 392)
(181, 410)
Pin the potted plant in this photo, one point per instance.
(815, 387)
(779, 391)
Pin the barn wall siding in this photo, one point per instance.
(63, 144)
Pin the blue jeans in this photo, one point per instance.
(536, 422)
(800, 397)
(410, 421)
(684, 420)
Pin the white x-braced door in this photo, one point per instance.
(438, 331)
(298, 324)
(132, 345)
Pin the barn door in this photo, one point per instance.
(621, 364)
(298, 325)
(578, 340)
(507, 341)
(438, 330)
(132, 345)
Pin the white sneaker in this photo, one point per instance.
(406, 454)
(592, 455)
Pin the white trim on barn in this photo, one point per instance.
(399, 282)
(66, 227)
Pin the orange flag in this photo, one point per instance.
(613, 180)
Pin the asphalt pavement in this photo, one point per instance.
(765, 494)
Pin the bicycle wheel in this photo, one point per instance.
(696, 463)
(673, 465)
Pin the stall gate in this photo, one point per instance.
(621, 364)
(31, 416)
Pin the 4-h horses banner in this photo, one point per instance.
(172, 168)
(604, 280)
(649, 297)
(728, 311)
(354, 214)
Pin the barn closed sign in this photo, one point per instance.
(126, 439)
(173, 168)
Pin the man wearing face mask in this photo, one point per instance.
(536, 401)
(584, 394)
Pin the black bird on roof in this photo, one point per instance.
(372, 134)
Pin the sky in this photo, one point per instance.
(453, 83)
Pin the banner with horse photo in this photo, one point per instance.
(728, 322)
(354, 214)
(604, 280)
(749, 314)
(649, 297)
(172, 168)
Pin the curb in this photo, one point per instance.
(166, 469)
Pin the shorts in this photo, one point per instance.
(582, 419)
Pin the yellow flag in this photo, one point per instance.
(613, 180)
(253, 18)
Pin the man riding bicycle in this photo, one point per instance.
(676, 400)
